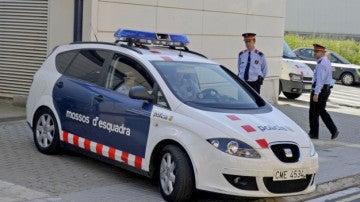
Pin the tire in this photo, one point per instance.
(175, 174)
(291, 95)
(280, 88)
(46, 132)
(347, 79)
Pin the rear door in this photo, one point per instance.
(75, 92)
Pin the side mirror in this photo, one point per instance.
(140, 93)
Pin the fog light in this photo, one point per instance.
(242, 182)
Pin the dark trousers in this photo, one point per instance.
(318, 109)
(255, 85)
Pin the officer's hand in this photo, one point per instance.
(316, 98)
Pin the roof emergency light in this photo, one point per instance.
(144, 37)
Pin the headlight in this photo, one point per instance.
(295, 77)
(312, 149)
(234, 147)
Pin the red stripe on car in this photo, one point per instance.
(263, 143)
(76, 140)
(138, 162)
(99, 148)
(125, 157)
(248, 128)
(112, 153)
(66, 137)
(87, 145)
(154, 51)
(103, 150)
(166, 58)
(233, 117)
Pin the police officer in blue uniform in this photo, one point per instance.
(252, 64)
(320, 94)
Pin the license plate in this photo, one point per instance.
(290, 174)
(307, 87)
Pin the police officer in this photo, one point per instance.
(320, 94)
(252, 64)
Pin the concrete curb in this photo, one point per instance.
(327, 188)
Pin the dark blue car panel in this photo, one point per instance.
(103, 116)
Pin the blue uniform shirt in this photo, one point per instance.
(322, 74)
(258, 65)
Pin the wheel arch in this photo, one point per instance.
(41, 107)
(154, 159)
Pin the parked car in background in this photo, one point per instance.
(343, 70)
(296, 77)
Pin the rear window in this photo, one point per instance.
(63, 60)
(85, 64)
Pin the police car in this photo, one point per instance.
(149, 104)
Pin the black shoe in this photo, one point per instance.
(334, 135)
(313, 136)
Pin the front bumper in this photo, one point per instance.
(223, 173)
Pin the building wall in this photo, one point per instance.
(330, 17)
(61, 22)
(214, 27)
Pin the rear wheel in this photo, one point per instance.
(291, 95)
(46, 132)
(176, 178)
(347, 79)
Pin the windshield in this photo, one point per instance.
(287, 52)
(204, 85)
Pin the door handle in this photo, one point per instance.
(99, 98)
(60, 84)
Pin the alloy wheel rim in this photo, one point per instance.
(45, 130)
(167, 175)
(348, 79)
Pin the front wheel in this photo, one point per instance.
(46, 132)
(176, 177)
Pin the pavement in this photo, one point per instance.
(339, 162)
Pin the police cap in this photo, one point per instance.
(249, 36)
(318, 47)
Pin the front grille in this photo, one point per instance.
(307, 79)
(286, 152)
(288, 186)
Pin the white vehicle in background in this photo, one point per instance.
(296, 77)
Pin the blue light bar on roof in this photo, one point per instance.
(143, 37)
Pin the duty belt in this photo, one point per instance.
(325, 86)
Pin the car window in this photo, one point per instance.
(63, 60)
(87, 65)
(308, 53)
(125, 73)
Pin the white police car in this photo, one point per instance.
(149, 104)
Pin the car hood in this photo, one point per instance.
(300, 67)
(252, 128)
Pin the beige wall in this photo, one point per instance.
(214, 27)
(61, 22)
